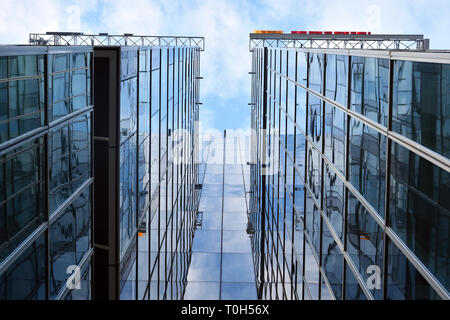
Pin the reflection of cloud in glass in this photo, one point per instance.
(202, 291)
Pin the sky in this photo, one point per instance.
(225, 89)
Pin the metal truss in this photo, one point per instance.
(104, 39)
(314, 41)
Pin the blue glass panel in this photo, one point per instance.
(334, 190)
(144, 176)
(21, 100)
(420, 209)
(128, 63)
(335, 132)
(365, 243)
(421, 103)
(127, 199)
(404, 281)
(68, 83)
(312, 223)
(337, 78)
(84, 292)
(367, 163)
(353, 290)
(315, 120)
(301, 108)
(21, 194)
(128, 108)
(302, 63)
(69, 158)
(70, 240)
(25, 278)
(315, 77)
(332, 262)
(370, 88)
(314, 172)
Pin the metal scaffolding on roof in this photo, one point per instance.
(338, 41)
(105, 39)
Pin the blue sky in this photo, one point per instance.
(225, 90)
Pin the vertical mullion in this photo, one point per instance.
(293, 271)
(91, 187)
(324, 77)
(47, 176)
(159, 172)
(138, 58)
(263, 77)
(387, 185)
(148, 59)
(305, 172)
(347, 157)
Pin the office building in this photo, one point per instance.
(46, 171)
(94, 202)
(351, 173)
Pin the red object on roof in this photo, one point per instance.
(315, 32)
(341, 32)
(299, 32)
(328, 32)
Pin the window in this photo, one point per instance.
(370, 88)
(421, 104)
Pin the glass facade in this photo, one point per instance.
(354, 205)
(152, 162)
(45, 172)
(145, 189)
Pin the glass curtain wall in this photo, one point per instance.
(45, 173)
(159, 91)
(348, 212)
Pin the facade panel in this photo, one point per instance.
(355, 121)
(46, 172)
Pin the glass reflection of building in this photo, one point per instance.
(363, 178)
(151, 200)
(45, 171)
(123, 223)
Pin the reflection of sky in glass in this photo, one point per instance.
(221, 266)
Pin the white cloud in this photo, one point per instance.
(225, 24)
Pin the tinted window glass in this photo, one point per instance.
(420, 209)
(367, 163)
(370, 88)
(421, 103)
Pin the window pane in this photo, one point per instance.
(21, 100)
(334, 201)
(353, 290)
(315, 72)
(68, 83)
(127, 198)
(332, 262)
(21, 194)
(25, 279)
(70, 240)
(335, 132)
(365, 243)
(370, 88)
(421, 103)
(420, 209)
(404, 281)
(69, 158)
(367, 163)
(337, 78)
